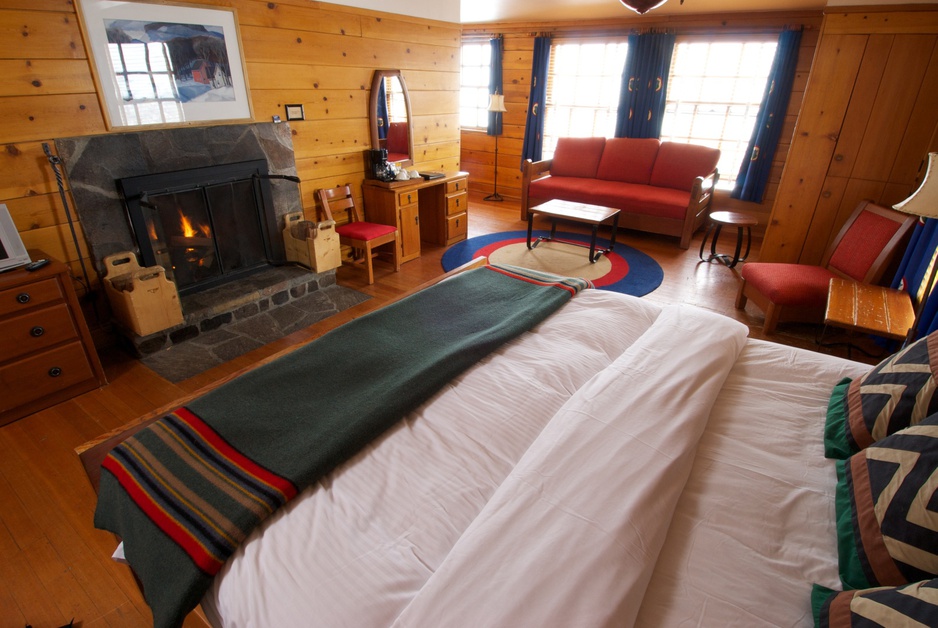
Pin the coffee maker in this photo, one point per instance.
(379, 168)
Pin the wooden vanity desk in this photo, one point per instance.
(434, 210)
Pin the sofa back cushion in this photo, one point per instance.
(677, 164)
(628, 159)
(577, 156)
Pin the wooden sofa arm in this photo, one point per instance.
(701, 199)
(531, 171)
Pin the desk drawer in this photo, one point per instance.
(457, 204)
(406, 198)
(29, 296)
(457, 185)
(36, 330)
(43, 374)
(456, 227)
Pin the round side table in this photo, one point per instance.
(735, 219)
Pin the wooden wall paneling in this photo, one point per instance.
(278, 15)
(27, 77)
(395, 29)
(346, 165)
(909, 166)
(344, 136)
(431, 80)
(30, 118)
(273, 45)
(836, 63)
(894, 102)
(882, 19)
(25, 171)
(435, 128)
(824, 221)
(36, 212)
(47, 35)
(318, 104)
(275, 75)
(866, 88)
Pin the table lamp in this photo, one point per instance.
(924, 203)
(496, 106)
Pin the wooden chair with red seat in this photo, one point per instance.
(363, 237)
(862, 251)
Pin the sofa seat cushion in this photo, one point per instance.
(577, 156)
(678, 165)
(631, 198)
(628, 159)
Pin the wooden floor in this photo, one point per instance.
(54, 566)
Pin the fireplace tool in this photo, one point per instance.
(55, 161)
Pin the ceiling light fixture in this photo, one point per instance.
(643, 6)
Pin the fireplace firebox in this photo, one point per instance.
(204, 226)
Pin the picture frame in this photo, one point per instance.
(295, 112)
(12, 251)
(165, 64)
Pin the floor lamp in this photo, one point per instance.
(924, 203)
(496, 106)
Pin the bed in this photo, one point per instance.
(617, 464)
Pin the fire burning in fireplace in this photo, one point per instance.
(204, 226)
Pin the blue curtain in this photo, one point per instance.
(495, 84)
(382, 115)
(913, 272)
(754, 172)
(534, 124)
(644, 85)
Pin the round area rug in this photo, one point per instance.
(625, 270)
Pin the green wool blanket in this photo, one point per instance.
(185, 492)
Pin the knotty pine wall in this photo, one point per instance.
(296, 51)
(478, 149)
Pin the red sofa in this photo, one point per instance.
(660, 187)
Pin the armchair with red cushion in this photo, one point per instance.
(862, 251)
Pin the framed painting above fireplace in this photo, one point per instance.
(165, 64)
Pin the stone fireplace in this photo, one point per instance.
(207, 204)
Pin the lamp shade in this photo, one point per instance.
(643, 6)
(924, 200)
(497, 103)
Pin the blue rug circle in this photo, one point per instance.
(633, 272)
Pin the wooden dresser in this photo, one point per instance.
(434, 210)
(46, 352)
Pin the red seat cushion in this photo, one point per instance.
(364, 230)
(789, 284)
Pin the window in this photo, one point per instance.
(582, 91)
(474, 85)
(714, 94)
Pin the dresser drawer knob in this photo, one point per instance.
(55, 371)
(22, 297)
(37, 331)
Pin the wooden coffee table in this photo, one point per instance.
(594, 215)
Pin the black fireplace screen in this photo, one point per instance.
(204, 226)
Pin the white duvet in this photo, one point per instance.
(619, 464)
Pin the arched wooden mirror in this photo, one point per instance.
(389, 109)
